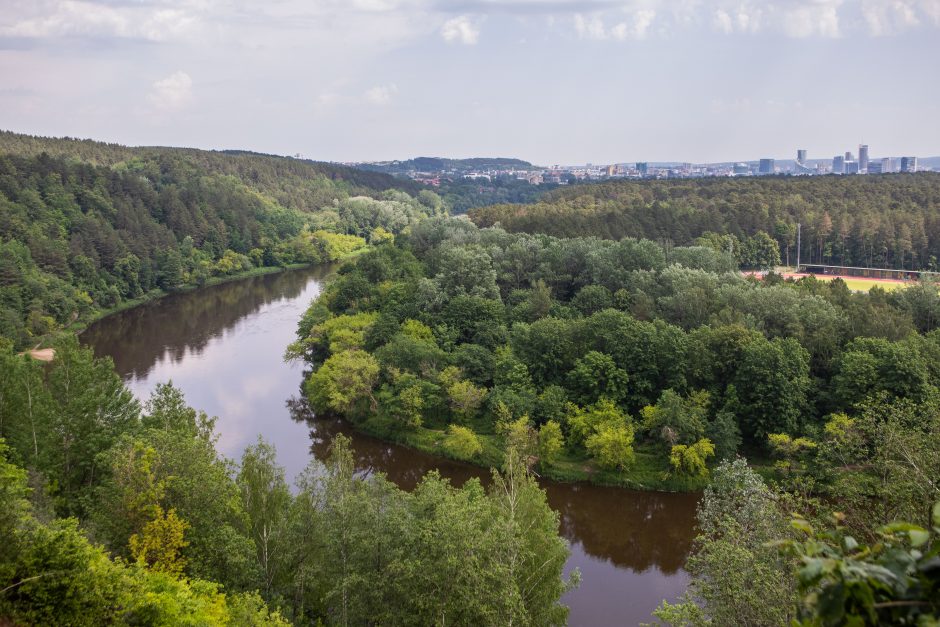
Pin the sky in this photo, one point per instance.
(549, 81)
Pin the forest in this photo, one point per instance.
(120, 514)
(113, 512)
(604, 360)
(807, 414)
(886, 221)
(87, 227)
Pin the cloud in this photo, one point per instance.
(743, 18)
(46, 19)
(172, 92)
(816, 17)
(461, 29)
(381, 95)
(889, 18)
(636, 26)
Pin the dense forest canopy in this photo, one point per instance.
(462, 332)
(86, 226)
(574, 351)
(281, 177)
(890, 221)
(632, 363)
(183, 536)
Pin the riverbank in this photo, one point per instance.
(80, 325)
(649, 472)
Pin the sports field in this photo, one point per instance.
(858, 284)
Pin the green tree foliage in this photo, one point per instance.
(675, 419)
(51, 574)
(789, 451)
(738, 576)
(861, 221)
(760, 252)
(344, 380)
(370, 552)
(160, 543)
(893, 582)
(772, 382)
(611, 445)
(689, 460)
(183, 522)
(87, 226)
(266, 500)
(596, 375)
(670, 334)
(550, 442)
(462, 443)
(59, 419)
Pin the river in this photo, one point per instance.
(223, 346)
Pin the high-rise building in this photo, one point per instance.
(879, 166)
(863, 157)
(838, 164)
(851, 167)
(909, 164)
(849, 156)
(801, 156)
(766, 166)
(741, 169)
(642, 168)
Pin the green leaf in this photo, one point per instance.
(811, 571)
(936, 514)
(801, 525)
(918, 537)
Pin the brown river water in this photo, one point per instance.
(223, 346)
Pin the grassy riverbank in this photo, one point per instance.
(80, 325)
(650, 470)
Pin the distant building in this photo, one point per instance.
(879, 166)
(863, 157)
(838, 164)
(851, 167)
(849, 156)
(643, 168)
(801, 156)
(766, 166)
(909, 164)
(741, 169)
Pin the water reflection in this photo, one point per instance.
(629, 529)
(223, 345)
(185, 323)
(630, 546)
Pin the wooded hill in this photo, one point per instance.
(887, 220)
(86, 226)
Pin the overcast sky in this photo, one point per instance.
(550, 81)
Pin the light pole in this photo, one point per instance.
(798, 230)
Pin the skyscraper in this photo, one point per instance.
(863, 157)
(766, 166)
(909, 164)
(801, 156)
(642, 167)
(851, 167)
(849, 156)
(838, 164)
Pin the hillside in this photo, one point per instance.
(881, 220)
(86, 226)
(441, 164)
